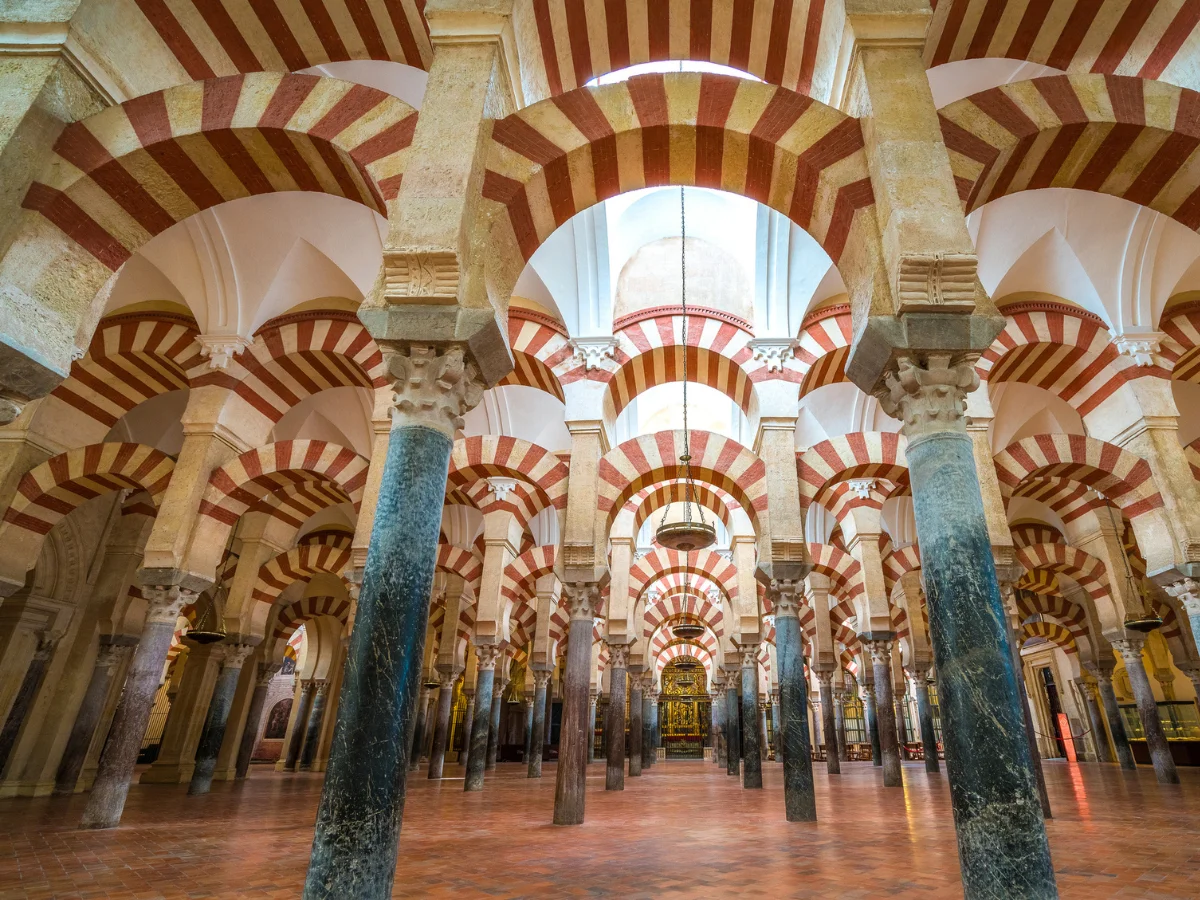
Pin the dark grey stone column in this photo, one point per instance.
(650, 734)
(901, 722)
(108, 658)
(583, 600)
(217, 719)
(362, 804)
(486, 657)
(1116, 724)
(441, 725)
(925, 715)
(1002, 846)
(867, 681)
(591, 754)
(880, 649)
(291, 761)
(467, 725)
(833, 765)
(716, 694)
(26, 694)
(751, 756)
(548, 732)
(1156, 739)
(115, 770)
(254, 715)
(540, 679)
(733, 731)
(419, 729)
(527, 706)
(614, 755)
(636, 722)
(1091, 699)
(799, 797)
(316, 720)
(839, 709)
(493, 747)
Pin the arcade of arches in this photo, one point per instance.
(342, 352)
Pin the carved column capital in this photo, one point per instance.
(1130, 649)
(1187, 592)
(825, 677)
(618, 655)
(582, 600)
(929, 396)
(320, 687)
(236, 655)
(110, 655)
(881, 652)
(486, 656)
(163, 602)
(786, 597)
(749, 656)
(541, 677)
(433, 386)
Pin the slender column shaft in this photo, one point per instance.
(901, 723)
(481, 720)
(733, 732)
(928, 732)
(430, 713)
(885, 711)
(1091, 699)
(527, 706)
(115, 770)
(840, 717)
(655, 734)
(614, 775)
(316, 719)
(548, 731)
(1002, 843)
(1156, 739)
(258, 700)
(441, 727)
(467, 725)
(493, 747)
(23, 702)
(217, 719)
(362, 803)
(833, 765)
(88, 717)
(540, 679)
(751, 755)
(291, 761)
(1035, 755)
(591, 747)
(799, 796)
(1116, 724)
(571, 781)
(635, 725)
(720, 756)
(647, 731)
(419, 729)
(872, 721)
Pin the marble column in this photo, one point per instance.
(925, 717)
(799, 797)
(447, 676)
(217, 718)
(362, 803)
(716, 695)
(733, 729)
(107, 799)
(751, 758)
(614, 752)
(870, 719)
(901, 722)
(549, 730)
(839, 709)
(291, 762)
(486, 655)
(26, 694)
(583, 601)
(651, 754)
(591, 754)
(1091, 699)
(885, 710)
(316, 719)
(108, 658)
(1015, 639)
(1002, 844)
(1116, 723)
(467, 724)
(829, 728)
(541, 677)
(764, 732)
(776, 748)
(527, 709)
(419, 729)
(493, 746)
(258, 700)
(647, 748)
(636, 721)
(1130, 649)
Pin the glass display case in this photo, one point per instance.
(1180, 720)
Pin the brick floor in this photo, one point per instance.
(684, 830)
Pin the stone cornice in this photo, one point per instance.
(664, 312)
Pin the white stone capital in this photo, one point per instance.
(1142, 348)
(582, 600)
(591, 352)
(929, 398)
(163, 602)
(219, 349)
(775, 352)
(500, 487)
(434, 386)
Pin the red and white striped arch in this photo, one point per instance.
(1146, 38)
(476, 458)
(522, 500)
(1061, 349)
(1125, 137)
(663, 639)
(677, 603)
(1180, 349)
(688, 649)
(543, 356)
(230, 36)
(522, 572)
(661, 562)
(842, 569)
(296, 614)
(1065, 612)
(1063, 559)
(843, 497)
(784, 42)
(1118, 474)
(862, 454)
(131, 358)
(51, 490)
(1052, 632)
(558, 157)
(296, 356)
(120, 177)
(898, 563)
(1067, 498)
(1026, 534)
(646, 502)
(719, 461)
(330, 553)
(461, 561)
(823, 346)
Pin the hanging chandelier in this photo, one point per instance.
(210, 624)
(687, 630)
(1146, 619)
(688, 534)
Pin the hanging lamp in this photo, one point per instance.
(687, 630)
(210, 626)
(689, 534)
(1146, 619)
